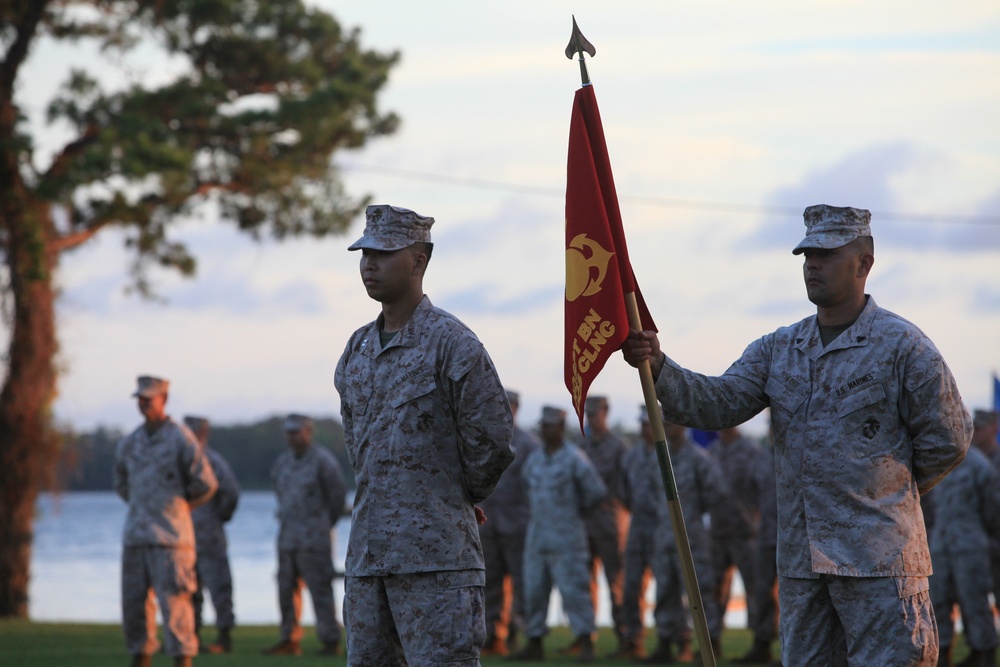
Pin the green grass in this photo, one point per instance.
(29, 644)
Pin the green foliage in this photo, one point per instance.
(250, 450)
(271, 90)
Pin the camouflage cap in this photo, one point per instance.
(294, 422)
(196, 424)
(984, 418)
(513, 397)
(148, 386)
(831, 227)
(552, 415)
(393, 228)
(595, 403)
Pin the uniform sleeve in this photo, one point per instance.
(334, 488)
(589, 483)
(227, 496)
(484, 423)
(714, 403)
(119, 472)
(990, 510)
(346, 418)
(939, 426)
(199, 478)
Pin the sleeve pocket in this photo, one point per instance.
(783, 396)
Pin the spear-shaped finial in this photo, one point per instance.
(578, 44)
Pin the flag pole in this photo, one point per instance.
(673, 500)
(578, 44)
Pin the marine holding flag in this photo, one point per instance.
(866, 416)
(598, 272)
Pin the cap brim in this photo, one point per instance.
(374, 243)
(823, 242)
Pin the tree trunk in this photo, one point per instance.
(28, 443)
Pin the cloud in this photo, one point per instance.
(881, 178)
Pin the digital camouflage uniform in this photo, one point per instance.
(503, 536)
(993, 454)
(766, 560)
(161, 477)
(210, 538)
(860, 429)
(642, 492)
(561, 487)
(965, 508)
(607, 523)
(310, 490)
(428, 428)
(700, 488)
(735, 521)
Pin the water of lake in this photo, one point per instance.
(76, 562)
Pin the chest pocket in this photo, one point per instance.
(859, 400)
(417, 388)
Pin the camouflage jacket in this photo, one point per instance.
(965, 507)
(506, 508)
(161, 477)
(738, 515)
(561, 487)
(701, 488)
(428, 430)
(311, 492)
(210, 518)
(860, 429)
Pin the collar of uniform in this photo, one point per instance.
(857, 335)
(409, 335)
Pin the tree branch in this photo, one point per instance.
(18, 51)
(70, 151)
(69, 241)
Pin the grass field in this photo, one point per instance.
(30, 644)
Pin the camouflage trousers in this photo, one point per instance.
(315, 568)
(639, 550)
(728, 555)
(672, 615)
(424, 619)
(569, 572)
(874, 620)
(765, 594)
(504, 556)
(607, 529)
(171, 576)
(214, 576)
(963, 579)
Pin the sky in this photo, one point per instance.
(724, 120)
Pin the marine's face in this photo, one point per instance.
(388, 274)
(832, 276)
(153, 408)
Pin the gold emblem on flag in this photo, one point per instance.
(580, 278)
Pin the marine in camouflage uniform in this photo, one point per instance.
(607, 523)
(964, 516)
(865, 416)
(641, 491)
(310, 488)
(428, 430)
(701, 488)
(212, 565)
(502, 537)
(736, 519)
(984, 437)
(161, 472)
(764, 591)
(562, 484)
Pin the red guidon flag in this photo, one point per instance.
(598, 272)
